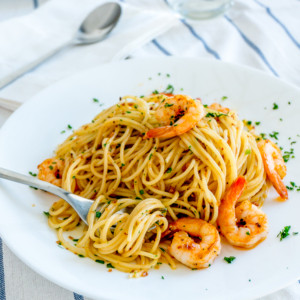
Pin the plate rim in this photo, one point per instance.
(16, 250)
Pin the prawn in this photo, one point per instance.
(220, 108)
(245, 225)
(196, 243)
(274, 165)
(51, 170)
(179, 114)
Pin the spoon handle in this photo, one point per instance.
(14, 75)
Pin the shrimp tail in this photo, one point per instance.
(274, 165)
(278, 183)
(160, 132)
(235, 191)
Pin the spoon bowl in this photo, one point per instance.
(98, 24)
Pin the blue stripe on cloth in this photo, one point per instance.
(76, 297)
(193, 32)
(279, 22)
(2, 278)
(35, 3)
(160, 47)
(253, 46)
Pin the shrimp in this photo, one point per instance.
(274, 165)
(179, 114)
(51, 170)
(198, 252)
(220, 108)
(245, 225)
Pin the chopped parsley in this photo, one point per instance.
(284, 232)
(229, 259)
(263, 136)
(110, 266)
(142, 192)
(169, 170)
(224, 98)
(136, 106)
(295, 233)
(63, 131)
(168, 75)
(274, 135)
(288, 154)
(155, 92)
(95, 100)
(69, 126)
(275, 106)
(80, 255)
(162, 277)
(248, 233)
(169, 89)
(129, 112)
(257, 123)
(142, 96)
(162, 249)
(99, 261)
(74, 177)
(249, 123)
(46, 214)
(33, 174)
(123, 165)
(215, 115)
(51, 168)
(75, 240)
(150, 156)
(98, 214)
(248, 151)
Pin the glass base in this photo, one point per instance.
(200, 9)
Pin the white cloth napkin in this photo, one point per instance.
(27, 39)
(263, 34)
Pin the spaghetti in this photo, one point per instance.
(141, 185)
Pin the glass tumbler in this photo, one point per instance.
(200, 9)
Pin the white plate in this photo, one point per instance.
(34, 130)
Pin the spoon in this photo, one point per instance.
(95, 27)
(80, 205)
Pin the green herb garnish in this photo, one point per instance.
(99, 261)
(284, 232)
(229, 259)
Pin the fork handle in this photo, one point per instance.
(31, 181)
